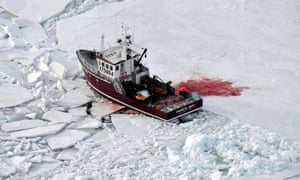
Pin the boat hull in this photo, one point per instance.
(107, 89)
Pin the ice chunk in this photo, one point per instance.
(33, 77)
(174, 149)
(25, 8)
(28, 31)
(104, 108)
(72, 65)
(64, 176)
(67, 154)
(13, 95)
(21, 163)
(39, 131)
(71, 85)
(41, 168)
(7, 168)
(43, 66)
(13, 165)
(10, 70)
(81, 111)
(58, 69)
(66, 139)
(22, 125)
(21, 22)
(73, 99)
(133, 125)
(37, 159)
(89, 123)
(196, 144)
(18, 42)
(57, 116)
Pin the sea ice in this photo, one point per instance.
(133, 125)
(71, 65)
(88, 123)
(64, 176)
(32, 32)
(13, 95)
(39, 131)
(103, 108)
(7, 168)
(73, 99)
(67, 154)
(55, 116)
(198, 143)
(10, 70)
(41, 9)
(58, 69)
(66, 139)
(22, 125)
(40, 168)
(80, 111)
(33, 77)
(43, 66)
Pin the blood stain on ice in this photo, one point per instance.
(211, 87)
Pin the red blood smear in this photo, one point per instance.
(211, 87)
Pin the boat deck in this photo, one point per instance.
(172, 103)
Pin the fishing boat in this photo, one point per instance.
(119, 74)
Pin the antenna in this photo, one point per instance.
(102, 43)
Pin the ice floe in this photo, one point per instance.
(73, 99)
(13, 95)
(7, 168)
(88, 123)
(67, 154)
(66, 139)
(55, 116)
(58, 69)
(80, 111)
(39, 131)
(22, 125)
(33, 77)
(40, 168)
(133, 125)
(25, 8)
(99, 109)
(10, 70)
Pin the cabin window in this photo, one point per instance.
(117, 67)
(111, 68)
(106, 65)
(102, 64)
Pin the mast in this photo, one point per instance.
(124, 43)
